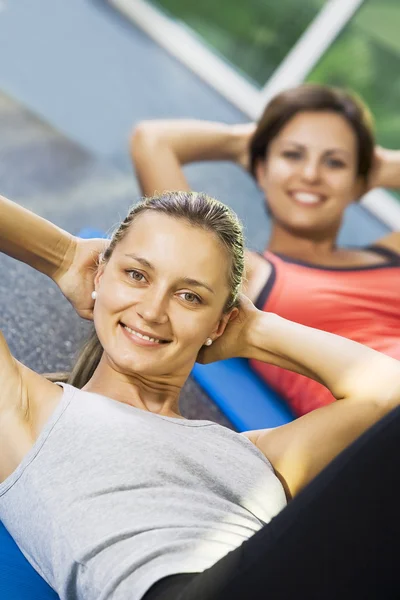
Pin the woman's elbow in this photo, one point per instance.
(143, 134)
(377, 382)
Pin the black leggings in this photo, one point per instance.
(338, 539)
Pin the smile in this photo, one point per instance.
(307, 198)
(142, 339)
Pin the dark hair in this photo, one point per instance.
(198, 210)
(311, 97)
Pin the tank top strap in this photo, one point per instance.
(269, 284)
(393, 256)
(280, 264)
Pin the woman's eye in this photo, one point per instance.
(191, 298)
(135, 275)
(291, 154)
(335, 163)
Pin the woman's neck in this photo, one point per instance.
(299, 246)
(149, 394)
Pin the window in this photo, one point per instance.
(366, 58)
(254, 36)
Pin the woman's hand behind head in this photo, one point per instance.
(242, 135)
(234, 341)
(76, 276)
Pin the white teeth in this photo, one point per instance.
(307, 198)
(143, 337)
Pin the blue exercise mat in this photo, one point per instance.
(242, 396)
(18, 580)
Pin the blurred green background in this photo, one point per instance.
(256, 35)
(366, 58)
(253, 35)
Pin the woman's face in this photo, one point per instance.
(310, 173)
(167, 281)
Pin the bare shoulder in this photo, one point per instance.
(301, 449)
(26, 402)
(257, 273)
(271, 443)
(11, 388)
(253, 435)
(20, 387)
(390, 241)
(41, 397)
(263, 438)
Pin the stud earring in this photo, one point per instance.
(208, 342)
(94, 294)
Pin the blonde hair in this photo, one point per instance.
(197, 209)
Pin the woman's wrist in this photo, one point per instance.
(260, 334)
(63, 256)
(240, 141)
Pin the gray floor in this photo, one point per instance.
(88, 75)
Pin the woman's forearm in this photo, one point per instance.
(346, 368)
(31, 239)
(159, 149)
(193, 140)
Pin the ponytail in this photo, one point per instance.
(88, 360)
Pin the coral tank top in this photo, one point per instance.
(359, 303)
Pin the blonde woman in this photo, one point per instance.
(111, 493)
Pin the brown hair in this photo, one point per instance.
(198, 210)
(309, 98)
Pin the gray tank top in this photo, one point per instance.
(112, 498)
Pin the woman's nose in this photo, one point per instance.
(153, 308)
(311, 171)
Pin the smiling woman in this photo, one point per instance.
(297, 168)
(313, 154)
(112, 494)
(163, 289)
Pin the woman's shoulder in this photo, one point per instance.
(27, 400)
(41, 396)
(390, 242)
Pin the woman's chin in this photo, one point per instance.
(302, 226)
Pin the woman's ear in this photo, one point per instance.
(261, 173)
(223, 322)
(99, 275)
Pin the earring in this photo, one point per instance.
(94, 294)
(208, 342)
